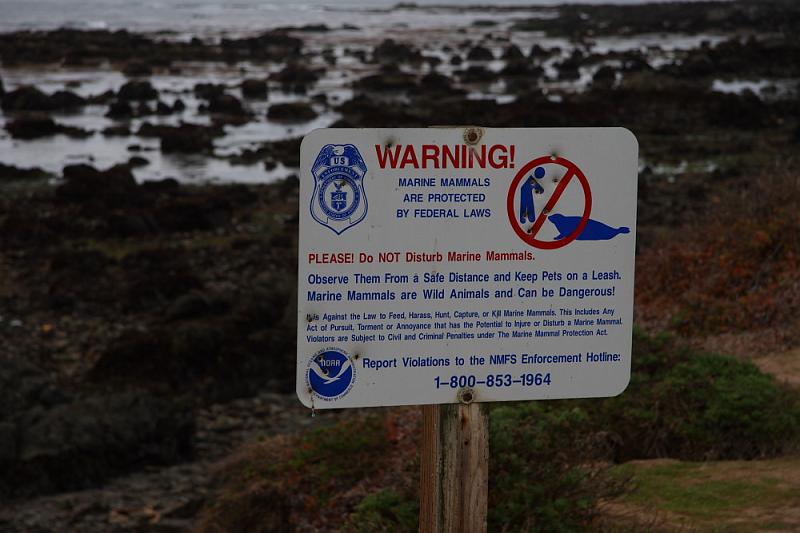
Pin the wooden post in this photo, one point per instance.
(454, 481)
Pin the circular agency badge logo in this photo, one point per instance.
(330, 374)
(339, 201)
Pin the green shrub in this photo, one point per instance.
(540, 476)
(689, 405)
(385, 511)
(548, 461)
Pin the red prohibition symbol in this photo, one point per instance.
(529, 236)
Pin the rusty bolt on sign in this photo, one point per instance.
(473, 135)
(466, 396)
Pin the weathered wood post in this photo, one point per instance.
(454, 481)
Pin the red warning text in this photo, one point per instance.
(445, 156)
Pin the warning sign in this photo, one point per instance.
(437, 260)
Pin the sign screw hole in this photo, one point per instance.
(466, 396)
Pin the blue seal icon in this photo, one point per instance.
(330, 374)
(339, 201)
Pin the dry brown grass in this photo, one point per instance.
(731, 271)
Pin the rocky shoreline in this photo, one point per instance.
(147, 317)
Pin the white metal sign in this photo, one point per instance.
(437, 260)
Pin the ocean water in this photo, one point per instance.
(208, 17)
(430, 28)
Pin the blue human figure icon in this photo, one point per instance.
(527, 210)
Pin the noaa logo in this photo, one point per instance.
(330, 374)
(339, 201)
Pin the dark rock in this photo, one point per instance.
(256, 89)
(178, 106)
(310, 28)
(93, 47)
(538, 52)
(361, 55)
(159, 186)
(143, 109)
(433, 61)
(32, 127)
(286, 151)
(513, 53)
(163, 109)
(190, 305)
(66, 100)
(24, 386)
(155, 277)
(226, 104)
(137, 90)
(329, 56)
(295, 76)
(480, 53)
(273, 44)
(120, 109)
(476, 73)
(390, 78)
(186, 138)
(84, 183)
(207, 91)
(83, 443)
(390, 51)
(137, 68)
(131, 224)
(456, 60)
(120, 130)
(524, 68)
(102, 98)
(292, 112)
(11, 173)
(745, 111)
(26, 98)
(137, 161)
(568, 72)
(604, 77)
(434, 81)
(635, 61)
(8, 442)
(290, 184)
